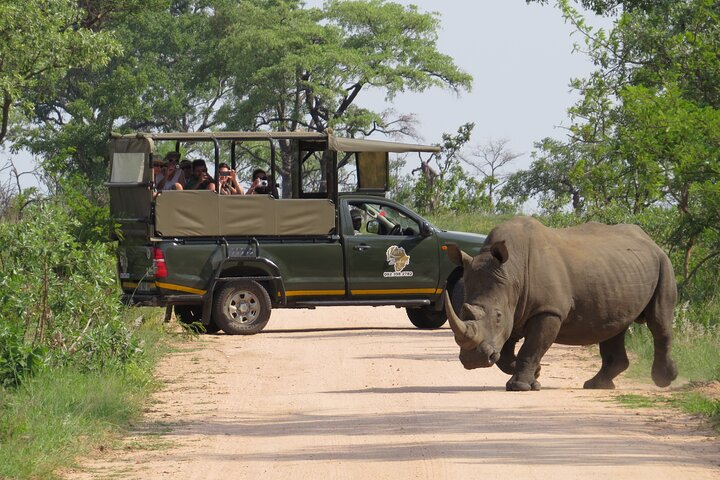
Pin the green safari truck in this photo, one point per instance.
(225, 261)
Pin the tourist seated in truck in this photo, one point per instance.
(227, 183)
(172, 177)
(186, 167)
(158, 167)
(261, 184)
(200, 179)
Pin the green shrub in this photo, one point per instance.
(62, 412)
(18, 360)
(58, 296)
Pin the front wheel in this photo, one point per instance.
(457, 295)
(426, 317)
(242, 308)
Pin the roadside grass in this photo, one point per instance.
(60, 414)
(468, 222)
(696, 350)
(689, 401)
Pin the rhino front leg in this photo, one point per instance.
(506, 363)
(540, 332)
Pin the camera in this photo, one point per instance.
(224, 174)
(263, 183)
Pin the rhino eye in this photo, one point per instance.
(499, 317)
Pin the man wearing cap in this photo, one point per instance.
(172, 177)
(158, 166)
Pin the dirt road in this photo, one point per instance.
(358, 393)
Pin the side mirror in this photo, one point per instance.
(425, 229)
(373, 226)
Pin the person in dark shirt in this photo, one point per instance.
(200, 179)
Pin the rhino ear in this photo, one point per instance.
(457, 256)
(500, 251)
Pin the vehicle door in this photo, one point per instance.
(386, 254)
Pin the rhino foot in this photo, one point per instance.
(663, 375)
(517, 386)
(596, 383)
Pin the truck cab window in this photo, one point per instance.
(379, 219)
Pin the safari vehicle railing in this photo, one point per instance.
(200, 213)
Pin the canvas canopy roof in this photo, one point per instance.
(329, 141)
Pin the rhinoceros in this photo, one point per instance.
(575, 286)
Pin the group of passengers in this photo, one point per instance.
(172, 174)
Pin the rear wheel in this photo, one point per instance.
(426, 317)
(242, 308)
(191, 315)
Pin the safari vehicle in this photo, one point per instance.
(227, 260)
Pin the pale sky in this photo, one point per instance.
(521, 59)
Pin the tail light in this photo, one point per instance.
(159, 263)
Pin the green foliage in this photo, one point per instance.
(61, 413)
(235, 64)
(443, 185)
(467, 222)
(42, 41)
(644, 135)
(18, 360)
(696, 343)
(692, 402)
(58, 295)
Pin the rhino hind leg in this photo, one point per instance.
(664, 370)
(614, 362)
(659, 316)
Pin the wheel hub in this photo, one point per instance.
(243, 307)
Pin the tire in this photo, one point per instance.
(426, 317)
(242, 308)
(457, 295)
(192, 315)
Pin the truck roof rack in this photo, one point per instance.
(325, 140)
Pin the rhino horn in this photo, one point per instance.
(459, 327)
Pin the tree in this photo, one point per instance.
(42, 41)
(555, 177)
(609, 7)
(239, 64)
(442, 184)
(488, 160)
(167, 79)
(644, 133)
(306, 68)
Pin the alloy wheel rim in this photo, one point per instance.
(243, 307)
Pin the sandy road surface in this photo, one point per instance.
(358, 393)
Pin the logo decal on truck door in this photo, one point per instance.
(397, 258)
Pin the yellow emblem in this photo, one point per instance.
(397, 258)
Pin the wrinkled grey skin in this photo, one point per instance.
(575, 286)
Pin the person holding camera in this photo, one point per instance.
(200, 179)
(227, 183)
(261, 184)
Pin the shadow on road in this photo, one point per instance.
(480, 435)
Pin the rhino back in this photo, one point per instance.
(597, 278)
